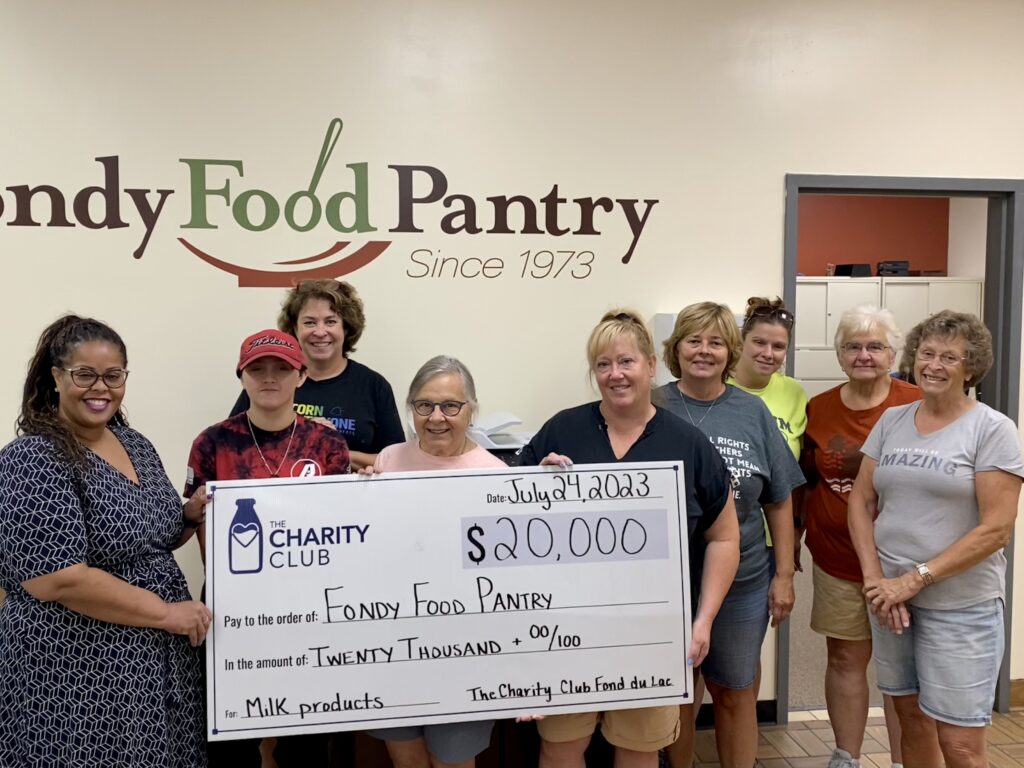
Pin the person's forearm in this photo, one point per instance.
(860, 518)
(187, 532)
(798, 500)
(193, 515)
(359, 459)
(998, 495)
(780, 525)
(201, 541)
(100, 595)
(721, 559)
(967, 551)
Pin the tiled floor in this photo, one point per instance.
(807, 742)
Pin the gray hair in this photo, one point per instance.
(951, 325)
(439, 366)
(865, 319)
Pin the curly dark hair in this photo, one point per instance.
(341, 297)
(40, 401)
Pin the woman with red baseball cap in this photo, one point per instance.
(266, 440)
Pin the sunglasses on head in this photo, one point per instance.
(768, 312)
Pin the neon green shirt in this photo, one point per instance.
(787, 401)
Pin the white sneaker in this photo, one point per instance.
(842, 759)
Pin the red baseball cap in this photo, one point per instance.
(270, 343)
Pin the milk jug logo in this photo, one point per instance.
(245, 544)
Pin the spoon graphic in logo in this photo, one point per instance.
(350, 262)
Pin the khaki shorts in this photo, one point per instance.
(839, 609)
(642, 730)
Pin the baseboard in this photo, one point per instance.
(1017, 694)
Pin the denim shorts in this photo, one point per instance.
(949, 658)
(448, 742)
(737, 635)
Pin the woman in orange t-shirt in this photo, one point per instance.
(838, 422)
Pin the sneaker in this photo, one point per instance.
(842, 759)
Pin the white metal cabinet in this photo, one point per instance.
(820, 302)
(958, 295)
(908, 302)
(932, 295)
(912, 299)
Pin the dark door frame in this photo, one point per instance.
(1004, 284)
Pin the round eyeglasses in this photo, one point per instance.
(872, 347)
(948, 359)
(87, 377)
(448, 407)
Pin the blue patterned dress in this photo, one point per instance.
(75, 691)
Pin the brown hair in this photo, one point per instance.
(948, 324)
(696, 318)
(761, 309)
(342, 299)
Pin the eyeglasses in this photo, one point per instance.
(948, 359)
(448, 407)
(781, 314)
(872, 347)
(86, 377)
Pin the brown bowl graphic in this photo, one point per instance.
(263, 278)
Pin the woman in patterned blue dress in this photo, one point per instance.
(98, 665)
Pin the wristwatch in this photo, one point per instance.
(922, 568)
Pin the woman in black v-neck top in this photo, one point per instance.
(624, 425)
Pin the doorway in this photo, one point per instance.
(1004, 284)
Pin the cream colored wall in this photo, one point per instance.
(703, 106)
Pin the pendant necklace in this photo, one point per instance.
(260, 450)
(687, 408)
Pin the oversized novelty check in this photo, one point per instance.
(345, 603)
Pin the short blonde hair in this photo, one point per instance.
(700, 317)
(614, 323)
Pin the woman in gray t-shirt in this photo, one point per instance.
(943, 477)
(702, 352)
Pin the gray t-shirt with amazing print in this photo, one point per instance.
(927, 498)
